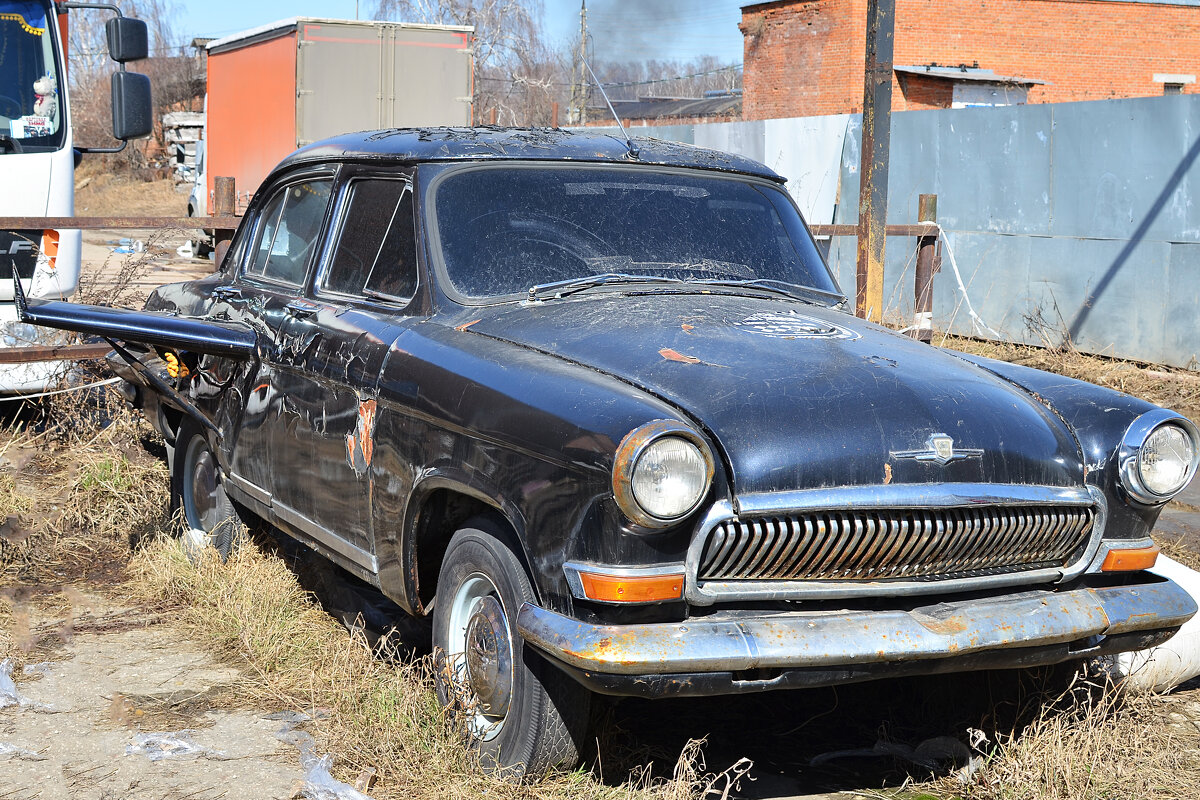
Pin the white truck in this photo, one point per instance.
(38, 155)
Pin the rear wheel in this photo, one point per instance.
(209, 518)
(522, 715)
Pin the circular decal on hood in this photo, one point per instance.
(790, 325)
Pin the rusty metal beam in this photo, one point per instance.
(919, 229)
(73, 352)
(224, 205)
(117, 223)
(873, 172)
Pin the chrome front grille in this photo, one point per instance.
(919, 544)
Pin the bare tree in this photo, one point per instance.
(174, 77)
(515, 73)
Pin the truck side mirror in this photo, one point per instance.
(132, 115)
(127, 39)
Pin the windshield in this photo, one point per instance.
(506, 229)
(30, 102)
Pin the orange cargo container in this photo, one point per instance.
(281, 86)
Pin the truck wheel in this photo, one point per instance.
(208, 517)
(522, 715)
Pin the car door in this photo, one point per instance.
(366, 279)
(272, 270)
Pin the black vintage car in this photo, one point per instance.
(600, 410)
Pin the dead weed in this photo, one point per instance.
(1094, 741)
(1177, 389)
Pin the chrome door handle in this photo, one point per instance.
(302, 308)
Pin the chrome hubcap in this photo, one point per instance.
(200, 487)
(479, 647)
(489, 664)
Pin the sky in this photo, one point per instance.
(620, 30)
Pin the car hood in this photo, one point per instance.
(803, 397)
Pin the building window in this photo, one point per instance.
(1173, 84)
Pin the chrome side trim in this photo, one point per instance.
(932, 496)
(830, 639)
(252, 490)
(572, 569)
(327, 538)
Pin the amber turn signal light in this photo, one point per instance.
(631, 589)
(1130, 560)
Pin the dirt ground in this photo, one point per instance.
(113, 699)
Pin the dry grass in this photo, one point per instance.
(374, 707)
(1092, 742)
(103, 191)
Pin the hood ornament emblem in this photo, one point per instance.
(940, 448)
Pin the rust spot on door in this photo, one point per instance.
(360, 445)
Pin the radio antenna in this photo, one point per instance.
(633, 148)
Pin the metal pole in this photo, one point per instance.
(225, 202)
(876, 138)
(927, 265)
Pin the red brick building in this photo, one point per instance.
(806, 57)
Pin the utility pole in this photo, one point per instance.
(579, 93)
(873, 171)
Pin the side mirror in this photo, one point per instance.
(132, 115)
(127, 39)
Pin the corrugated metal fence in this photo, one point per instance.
(1071, 218)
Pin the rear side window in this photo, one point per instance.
(288, 229)
(376, 252)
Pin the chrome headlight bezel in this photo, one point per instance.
(625, 460)
(1131, 445)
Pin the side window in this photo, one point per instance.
(376, 246)
(287, 232)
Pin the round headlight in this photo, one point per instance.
(661, 472)
(669, 478)
(1164, 462)
(1158, 456)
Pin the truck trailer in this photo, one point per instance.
(278, 87)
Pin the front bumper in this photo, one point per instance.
(734, 651)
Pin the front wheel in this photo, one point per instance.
(522, 715)
(209, 518)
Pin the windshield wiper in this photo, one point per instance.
(801, 293)
(572, 285)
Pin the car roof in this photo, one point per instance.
(442, 144)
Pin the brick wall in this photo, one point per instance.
(805, 57)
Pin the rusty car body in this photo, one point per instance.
(600, 411)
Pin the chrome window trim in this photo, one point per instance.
(925, 496)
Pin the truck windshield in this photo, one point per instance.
(31, 113)
(510, 230)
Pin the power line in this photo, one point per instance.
(622, 84)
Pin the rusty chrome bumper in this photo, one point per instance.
(1074, 622)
